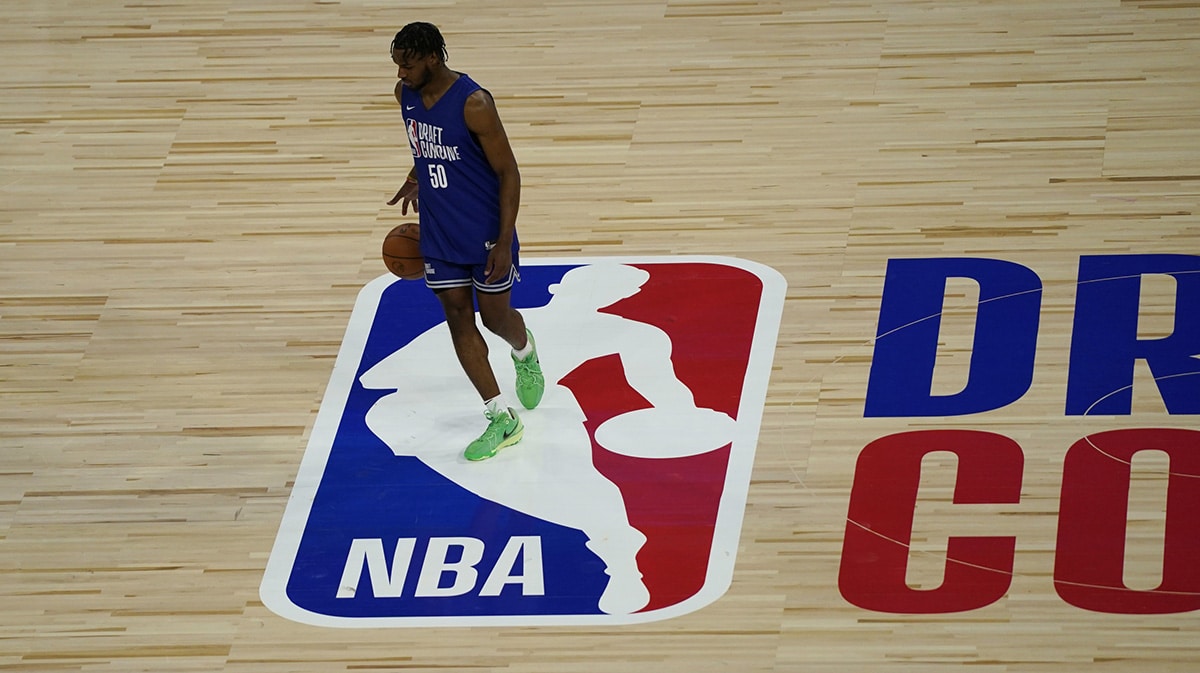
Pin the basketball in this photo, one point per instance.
(402, 251)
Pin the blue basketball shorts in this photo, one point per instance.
(440, 275)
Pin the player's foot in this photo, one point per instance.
(530, 382)
(504, 429)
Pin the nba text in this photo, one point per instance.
(388, 580)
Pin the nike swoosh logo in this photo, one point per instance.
(410, 107)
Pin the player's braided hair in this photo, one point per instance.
(420, 39)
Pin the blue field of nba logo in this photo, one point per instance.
(622, 504)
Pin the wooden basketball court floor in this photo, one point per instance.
(193, 194)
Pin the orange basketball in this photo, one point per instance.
(402, 251)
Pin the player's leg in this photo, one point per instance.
(499, 317)
(472, 351)
(458, 304)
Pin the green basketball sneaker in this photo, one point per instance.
(504, 429)
(530, 382)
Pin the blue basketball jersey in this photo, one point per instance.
(459, 192)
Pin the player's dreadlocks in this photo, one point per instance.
(420, 39)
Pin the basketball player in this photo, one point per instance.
(470, 190)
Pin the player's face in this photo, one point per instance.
(412, 71)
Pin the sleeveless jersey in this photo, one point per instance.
(459, 195)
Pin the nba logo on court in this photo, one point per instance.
(622, 504)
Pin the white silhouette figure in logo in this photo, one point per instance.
(549, 474)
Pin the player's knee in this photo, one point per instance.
(458, 307)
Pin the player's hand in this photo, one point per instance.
(499, 263)
(407, 195)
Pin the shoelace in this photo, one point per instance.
(525, 366)
(495, 423)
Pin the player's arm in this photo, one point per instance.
(408, 191)
(484, 121)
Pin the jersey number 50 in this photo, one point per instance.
(437, 176)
